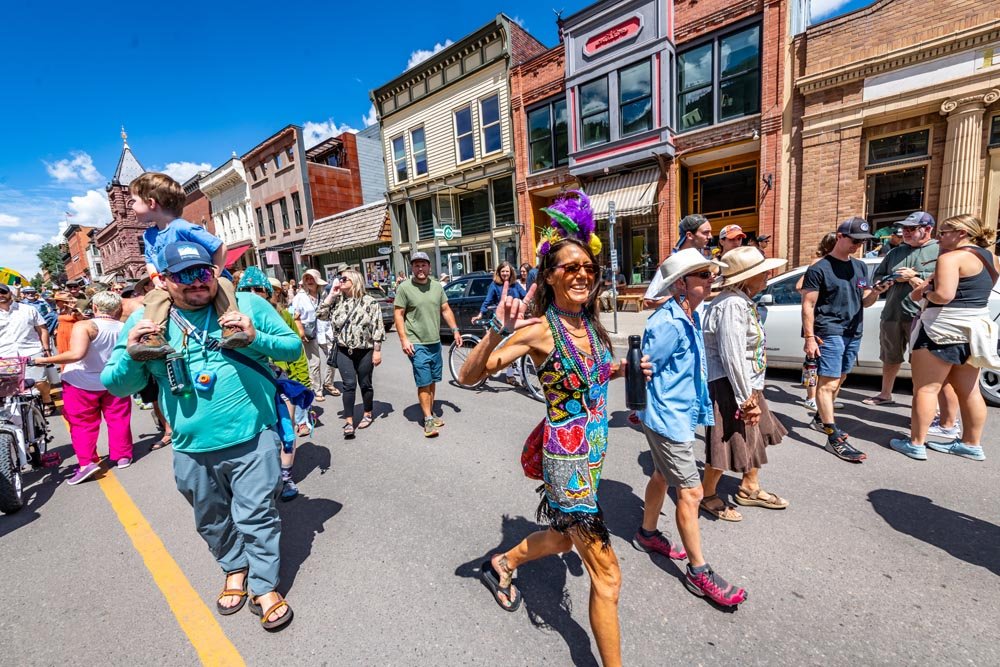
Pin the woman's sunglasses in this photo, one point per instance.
(575, 267)
(189, 276)
(256, 290)
(704, 275)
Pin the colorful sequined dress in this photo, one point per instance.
(575, 437)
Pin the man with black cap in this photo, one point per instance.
(695, 232)
(221, 406)
(419, 305)
(834, 292)
(906, 265)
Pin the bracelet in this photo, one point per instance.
(808, 337)
(497, 328)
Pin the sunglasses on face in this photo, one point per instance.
(704, 275)
(4, 290)
(575, 267)
(189, 276)
(255, 290)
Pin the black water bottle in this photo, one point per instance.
(635, 379)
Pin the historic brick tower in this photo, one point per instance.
(120, 242)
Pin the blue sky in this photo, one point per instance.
(192, 83)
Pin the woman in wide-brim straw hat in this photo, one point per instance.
(737, 360)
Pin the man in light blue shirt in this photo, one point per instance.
(677, 404)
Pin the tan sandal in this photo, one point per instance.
(233, 592)
(725, 513)
(276, 624)
(753, 499)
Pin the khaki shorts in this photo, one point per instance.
(674, 460)
(893, 338)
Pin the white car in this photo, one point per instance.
(780, 307)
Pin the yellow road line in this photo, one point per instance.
(194, 617)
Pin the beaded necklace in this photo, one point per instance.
(600, 371)
(566, 313)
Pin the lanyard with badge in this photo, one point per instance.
(177, 364)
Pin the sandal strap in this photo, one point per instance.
(273, 608)
(231, 591)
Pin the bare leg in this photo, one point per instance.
(889, 373)
(710, 481)
(656, 491)
(687, 523)
(426, 398)
(45, 391)
(929, 374)
(605, 587)
(826, 392)
(948, 405)
(965, 380)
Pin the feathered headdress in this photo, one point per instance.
(571, 217)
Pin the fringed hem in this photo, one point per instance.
(589, 525)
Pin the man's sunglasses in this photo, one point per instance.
(189, 276)
(575, 267)
(4, 290)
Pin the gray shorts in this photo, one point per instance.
(893, 339)
(674, 460)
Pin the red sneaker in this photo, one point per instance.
(657, 543)
(709, 584)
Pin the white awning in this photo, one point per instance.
(633, 193)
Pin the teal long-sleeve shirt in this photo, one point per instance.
(240, 403)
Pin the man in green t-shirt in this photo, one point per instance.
(419, 305)
(909, 263)
(222, 413)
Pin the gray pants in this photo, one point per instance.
(233, 492)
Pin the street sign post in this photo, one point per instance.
(614, 264)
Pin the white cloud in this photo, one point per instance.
(78, 169)
(316, 132)
(518, 20)
(90, 210)
(26, 237)
(9, 220)
(420, 55)
(371, 117)
(182, 171)
(822, 9)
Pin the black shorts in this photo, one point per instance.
(952, 353)
(150, 392)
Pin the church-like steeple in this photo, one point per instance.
(129, 168)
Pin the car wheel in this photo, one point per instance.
(989, 385)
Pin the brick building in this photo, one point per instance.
(81, 257)
(197, 207)
(120, 242)
(883, 127)
(449, 151)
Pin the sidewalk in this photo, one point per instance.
(629, 324)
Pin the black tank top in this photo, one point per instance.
(973, 291)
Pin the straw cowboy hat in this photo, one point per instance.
(745, 262)
(676, 267)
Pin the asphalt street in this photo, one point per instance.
(885, 563)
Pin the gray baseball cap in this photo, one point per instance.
(417, 256)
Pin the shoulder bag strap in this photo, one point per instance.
(213, 344)
(989, 265)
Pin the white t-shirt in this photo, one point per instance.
(304, 306)
(18, 336)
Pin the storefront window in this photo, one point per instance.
(548, 136)
(727, 191)
(463, 134)
(503, 201)
(739, 74)
(474, 212)
(995, 132)
(489, 118)
(594, 116)
(892, 195)
(899, 147)
(424, 211)
(635, 98)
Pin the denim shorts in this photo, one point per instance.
(427, 364)
(837, 355)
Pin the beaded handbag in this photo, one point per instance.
(531, 455)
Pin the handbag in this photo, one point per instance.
(531, 454)
(331, 359)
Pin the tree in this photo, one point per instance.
(50, 258)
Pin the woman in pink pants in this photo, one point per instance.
(85, 400)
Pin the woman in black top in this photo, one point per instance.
(963, 280)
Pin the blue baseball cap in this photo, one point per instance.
(917, 219)
(183, 255)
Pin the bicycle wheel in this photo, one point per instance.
(529, 378)
(457, 356)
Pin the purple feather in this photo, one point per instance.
(578, 210)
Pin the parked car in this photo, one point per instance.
(780, 307)
(384, 304)
(465, 296)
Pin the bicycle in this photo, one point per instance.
(524, 368)
(24, 433)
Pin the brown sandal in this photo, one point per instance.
(227, 592)
(276, 624)
(725, 513)
(753, 499)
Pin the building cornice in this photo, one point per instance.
(911, 55)
(284, 134)
(227, 176)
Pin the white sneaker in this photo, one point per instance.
(937, 421)
(809, 404)
(938, 431)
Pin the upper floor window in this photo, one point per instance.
(270, 218)
(263, 168)
(995, 131)
(635, 98)
(290, 154)
(548, 136)
(899, 147)
(419, 145)
(399, 158)
(595, 120)
(489, 118)
(466, 148)
(297, 209)
(277, 161)
(719, 80)
(260, 221)
(283, 203)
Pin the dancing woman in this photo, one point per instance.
(572, 352)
